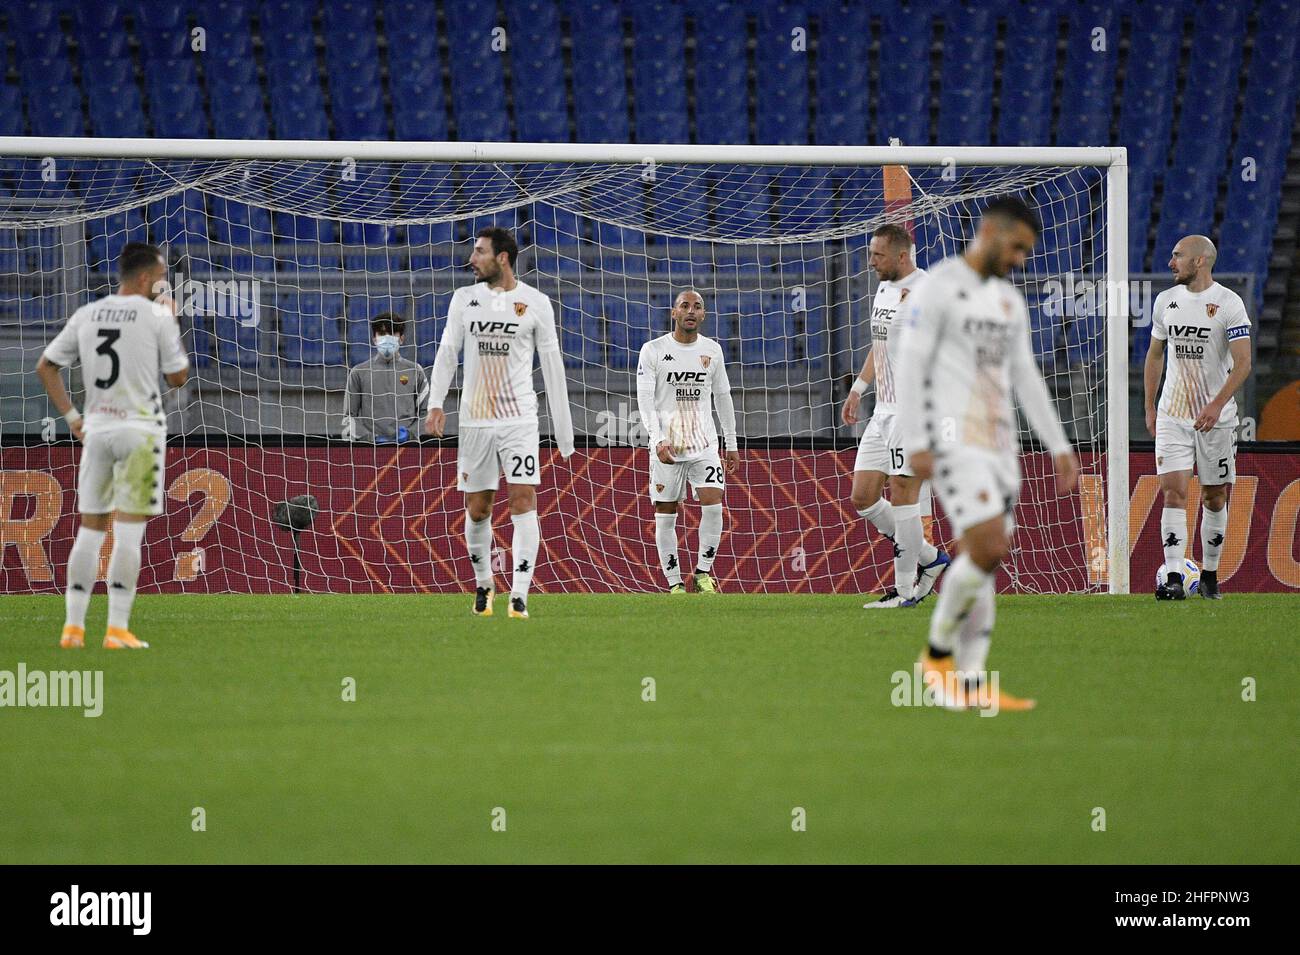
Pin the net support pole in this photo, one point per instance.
(1117, 347)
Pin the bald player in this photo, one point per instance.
(680, 377)
(1200, 338)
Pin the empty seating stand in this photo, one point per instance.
(1206, 154)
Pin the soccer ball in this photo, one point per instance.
(1191, 576)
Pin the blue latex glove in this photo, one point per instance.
(403, 434)
(383, 439)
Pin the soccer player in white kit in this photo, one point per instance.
(501, 322)
(123, 342)
(679, 378)
(965, 347)
(917, 562)
(1200, 336)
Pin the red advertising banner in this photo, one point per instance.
(391, 520)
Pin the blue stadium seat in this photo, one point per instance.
(237, 345)
(1025, 109)
(108, 234)
(720, 88)
(534, 51)
(659, 72)
(581, 333)
(843, 76)
(966, 80)
(902, 109)
(1085, 339)
(1089, 78)
(782, 106)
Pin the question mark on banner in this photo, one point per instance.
(215, 488)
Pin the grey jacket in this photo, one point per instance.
(383, 395)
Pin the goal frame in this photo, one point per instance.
(1113, 159)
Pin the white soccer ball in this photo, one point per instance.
(1191, 576)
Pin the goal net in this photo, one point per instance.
(279, 264)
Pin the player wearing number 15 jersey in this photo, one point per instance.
(500, 322)
(917, 563)
(679, 377)
(123, 342)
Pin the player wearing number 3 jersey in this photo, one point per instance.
(500, 323)
(123, 342)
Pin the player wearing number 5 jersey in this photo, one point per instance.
(123, 341)
(1200, 335)
(500, 323)
(679, 376)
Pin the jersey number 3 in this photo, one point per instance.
(110, 337)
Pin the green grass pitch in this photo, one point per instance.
(763, 704)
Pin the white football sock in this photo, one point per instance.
(907, 546)
(1173, 534)
(710, 535)
(976, 630)
(881, 516)
(523, 551)
(666, 542)
(1214, 528)
(124, 571)
(961, 586)
(478, 541)
(83, 568)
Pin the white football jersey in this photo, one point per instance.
(675, 388)
(123, 342)
(500, 332)
(964, 348)
(885, 308)
(1197, 327)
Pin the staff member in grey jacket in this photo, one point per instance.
(387, 395)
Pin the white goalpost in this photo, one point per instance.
(282, 252)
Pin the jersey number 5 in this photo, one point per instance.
(110, 337)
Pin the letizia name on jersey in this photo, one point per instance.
(113, 315)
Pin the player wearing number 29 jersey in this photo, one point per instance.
(500, 323)
(123, 343)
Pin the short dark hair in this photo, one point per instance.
(502, 241)
(136, 257)
(388, 323)
(1015, 209)
(895, 235)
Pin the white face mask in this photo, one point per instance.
(387, 345)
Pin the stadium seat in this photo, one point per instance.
(720, 33)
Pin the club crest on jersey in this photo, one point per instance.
(659, 488)
(1211, 309)
(520, 308)
(403, 378)
(704, 360)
